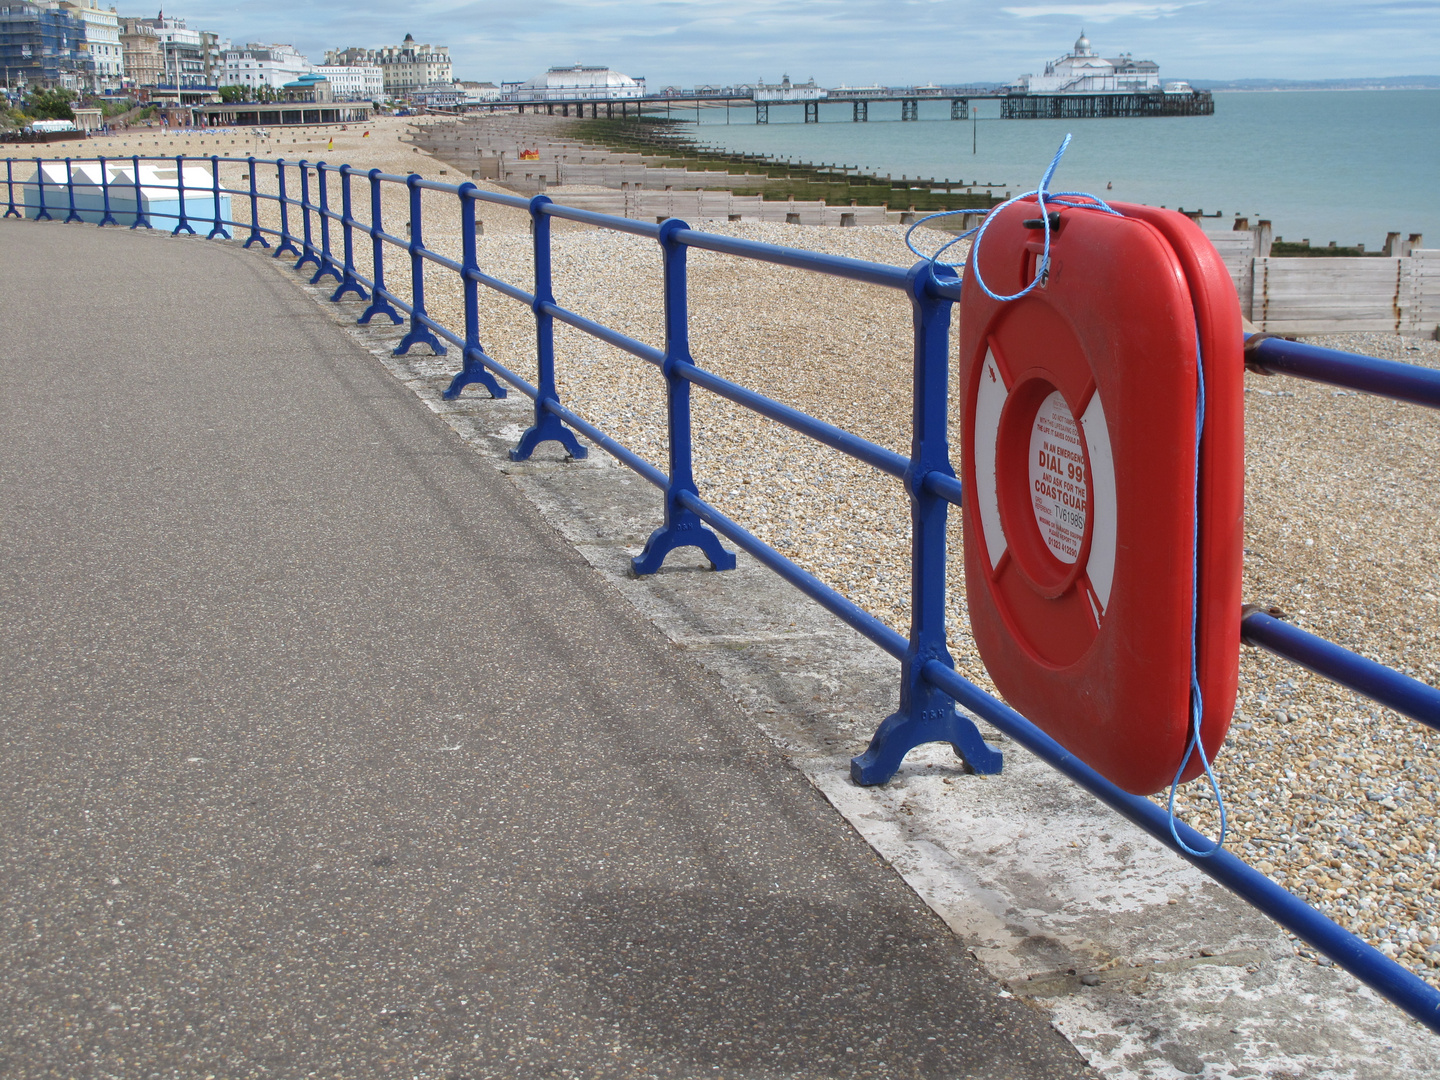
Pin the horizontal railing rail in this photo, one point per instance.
(930, 685)
(1388, 378)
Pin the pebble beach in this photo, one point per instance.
(1330, 795)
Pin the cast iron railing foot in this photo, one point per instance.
(349, 284)
(547, 428)
(379, 306)
(419, 335)
(473, 372)
(684, 529)
(932, 717)
(323, 268)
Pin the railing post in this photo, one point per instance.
(326, 265)
(307, 253)
(41, 214)
(418, 333)
(926, 714)
(683, 527)
(10, 210)
(547, 426)
(287, 242)
(140, 217)
(472, 366)
(219, 227)
(70, 190)
(379, 305)
(255, 236)
(183, 225)
(107, 218)
(348, 282)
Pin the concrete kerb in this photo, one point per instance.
(1146, 966)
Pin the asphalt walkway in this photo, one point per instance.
(322, 754)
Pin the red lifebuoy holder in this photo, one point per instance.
(1079, 466)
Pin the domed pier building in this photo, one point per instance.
(1082, 83)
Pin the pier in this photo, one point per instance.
(1014, 105)
(1106, 106)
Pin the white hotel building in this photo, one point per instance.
(102, 42)
(354, 82)
(258, 65)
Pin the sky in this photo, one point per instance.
(894, 42)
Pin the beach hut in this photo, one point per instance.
(159, 193)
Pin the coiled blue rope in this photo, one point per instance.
(1045, 198)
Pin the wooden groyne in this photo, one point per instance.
(1396, 292)
(657, 174)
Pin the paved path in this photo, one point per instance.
(321, 754)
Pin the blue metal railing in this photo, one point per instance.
(930, 685)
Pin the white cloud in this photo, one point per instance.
(686, 42)
(1096, 13)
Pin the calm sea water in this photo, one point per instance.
(1347, 166)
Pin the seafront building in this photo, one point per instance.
(101, 46)
(184, 54)
(1082, 84)
(405, 67)
(144, 61)
(1085, 71)
(477, 93)
(312, 87)
(213, 48)
(354, 82)
(260, 65)
(576, 83)
(785, 90)
(42, 45)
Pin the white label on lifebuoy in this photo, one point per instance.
(989, 402)
(1057, 478)
(1100, 566)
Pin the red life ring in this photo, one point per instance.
(1079, 466)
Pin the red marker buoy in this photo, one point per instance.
(1082, 546)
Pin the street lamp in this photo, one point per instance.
(974, 127)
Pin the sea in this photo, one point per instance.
(1332, 165)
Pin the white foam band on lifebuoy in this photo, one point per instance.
(1100, 567)
(989, 403)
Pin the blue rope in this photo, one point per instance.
(1063, 198)
(1196, 704)
(1045, 197)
